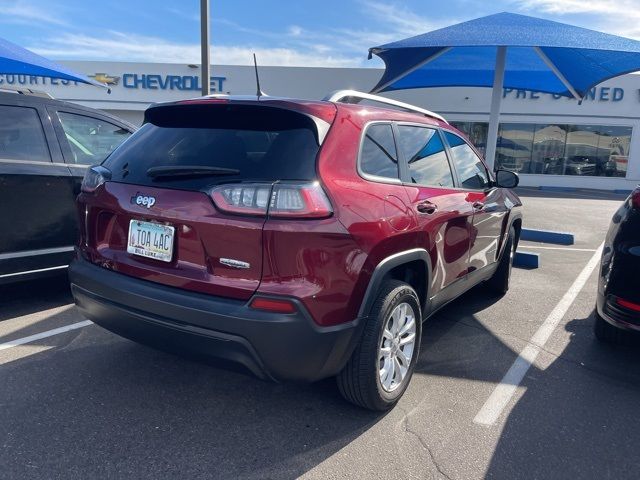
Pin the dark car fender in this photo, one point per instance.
(512, 218)
(384, 267)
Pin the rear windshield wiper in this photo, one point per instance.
(189, 171)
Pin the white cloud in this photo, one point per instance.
(400, 20)
(118, 45)
(620, 17)
(179, 12)
(293, 46)
(295, 30)
(21, 12)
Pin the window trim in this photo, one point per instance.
(376, 178)
(492, 183)
(405, 162)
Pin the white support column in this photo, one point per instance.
(633, 167)
(496, 99)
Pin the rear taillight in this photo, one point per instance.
(635, 198)
(627, 304)
(247, 198)
(94, 177)
(286, 200)
(273, 305)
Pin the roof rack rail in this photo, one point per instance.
(353, 96)
(26, 91)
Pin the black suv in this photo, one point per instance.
(45, 148)
(618, 303)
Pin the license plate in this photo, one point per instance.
(151, 240)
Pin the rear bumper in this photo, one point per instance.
(617, 315)
(273, 346)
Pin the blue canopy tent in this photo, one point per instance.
(507, 50)
(20, 61)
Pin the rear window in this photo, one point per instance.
(262, 143)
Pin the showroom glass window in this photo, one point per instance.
(426, 156)
(477, 133)
(471, 171)
(21, 135)
(514, 146)
(90, 139)
(378, 156)
(557, 149)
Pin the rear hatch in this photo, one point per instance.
(186, 197)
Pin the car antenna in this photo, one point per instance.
(259, 92)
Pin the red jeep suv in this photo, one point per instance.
(301, 239)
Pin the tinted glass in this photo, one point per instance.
(90, 139)
(425, 153)
(379, 156)
(471, 171)
(263, 144)
(21, 135)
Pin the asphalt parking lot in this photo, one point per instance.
(88, 404)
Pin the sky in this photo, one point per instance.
(331, 33)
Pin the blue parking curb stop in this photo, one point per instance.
(547, 236)
(527, 260)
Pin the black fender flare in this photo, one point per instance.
(511, 220)
(384, 267)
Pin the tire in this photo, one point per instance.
(499, 282)
(607, 333)
(379, 351)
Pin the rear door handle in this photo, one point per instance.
(478, 205)
(426, 207)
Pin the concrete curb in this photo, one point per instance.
(557, 189)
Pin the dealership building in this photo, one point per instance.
(548, 140)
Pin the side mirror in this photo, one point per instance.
(507, 179)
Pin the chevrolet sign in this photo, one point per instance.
(170, 82)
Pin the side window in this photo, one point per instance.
(378, 156)
(90, 139)
(21, 135)
(425, 154)
(471, 171)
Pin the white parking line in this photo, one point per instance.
(48, 333)
(503, 392)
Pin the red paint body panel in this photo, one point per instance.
(326, 264)
(202, 237)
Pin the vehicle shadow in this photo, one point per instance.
(464, 358)
(578, 417)
(24, 298)
(107, 407)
